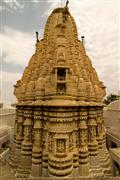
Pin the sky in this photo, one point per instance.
(97, 20)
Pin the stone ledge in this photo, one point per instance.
(80, 178)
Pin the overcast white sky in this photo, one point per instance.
(98, 20)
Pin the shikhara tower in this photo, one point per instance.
(59, 128)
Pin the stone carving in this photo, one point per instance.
(23, 170)
(71, 141)
(61, 55)
(37, 150)
(60, 145)
(65, 13)
(50, 144)
(60, 103)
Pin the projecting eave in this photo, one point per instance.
(61, 103)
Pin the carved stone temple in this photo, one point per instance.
(59, 127)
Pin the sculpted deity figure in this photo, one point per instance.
(27, 132)
(37, 137)
(37, 140)
(60, 53)
(20, 129)
(60, 145)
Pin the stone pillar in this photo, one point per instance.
(18, 137)
(13, 146)
(60, 153)
(95, 166)
(24, 167)
(45, 150)
(74, 144)
(16, 125)
(99, 129)
(83, 148)
(104, 154)
(36, 170)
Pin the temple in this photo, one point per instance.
(59, 126)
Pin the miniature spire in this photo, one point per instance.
(67, 3)
(37, 36)
(65, 12)
(82, 37)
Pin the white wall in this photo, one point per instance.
(7, 120)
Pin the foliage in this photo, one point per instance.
(110, 98)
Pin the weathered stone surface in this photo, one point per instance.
(59, 128)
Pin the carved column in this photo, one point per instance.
(99, 129)
(83, 148)
(36, 170)
(60, 155)
(104, 154)
(95, 166)
(24, 167)
(16, 124)
(13, 146)
(18, 137)
(45, 148)
(74, 140)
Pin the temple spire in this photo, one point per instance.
(59, 128)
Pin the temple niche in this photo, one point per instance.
(59, 127)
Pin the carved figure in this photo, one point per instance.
(61, 145)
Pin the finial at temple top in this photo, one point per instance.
(67, 3)
(65, 11)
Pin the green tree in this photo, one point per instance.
(110, 98)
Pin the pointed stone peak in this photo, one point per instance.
(60, 68)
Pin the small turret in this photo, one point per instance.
(67, 3)
(82, 37)
(65, 12)
(37, 39)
